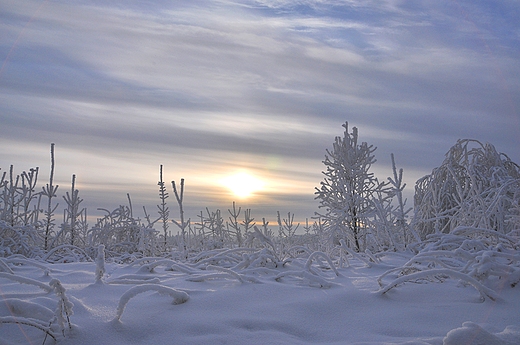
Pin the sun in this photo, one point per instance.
(242, 184)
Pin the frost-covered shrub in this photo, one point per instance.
(213, 229)
(64, 308)
(475, 186)
(19, 211)
(66, 253)
(235, 227)
(483, 258)
(18, 239)
(117, 230)
(18, 200)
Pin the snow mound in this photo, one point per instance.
(472, 334)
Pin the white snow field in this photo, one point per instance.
(163, 301)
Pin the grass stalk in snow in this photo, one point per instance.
(24, 280)
(179, 297)
(4, 267)
(64, 307)
(321, 255)
(484, 291)
(27, 322)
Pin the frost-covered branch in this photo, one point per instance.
(25, 280)
(179, 297)
(64, 308)
(313, 279)
(320, 255)
(484, 291)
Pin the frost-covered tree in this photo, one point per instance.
(347, 190)
(475, 186)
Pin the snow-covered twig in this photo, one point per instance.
(72, 254)
(321, 255)
(242, 278)
(24, 280)
(228, 271)
(312, 278)
(148, 268)
(181, 268)
(204, 277)
(484, 291)
(258, 234)
(64, 305)
(179, 297)
(16, 260)
(28, 322)
(134, 281)
(4, 267)
(354, 254)
(144, 260)
(100, 263)
(223, 273)
(465, 230)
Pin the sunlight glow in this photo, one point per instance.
(242, 184)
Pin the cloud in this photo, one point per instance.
(209, 85)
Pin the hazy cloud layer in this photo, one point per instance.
(209, 87)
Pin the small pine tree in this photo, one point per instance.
(164, 212)
(182, 223)
(347, 190)
(50, 192)
(74, 218)
(236, 229)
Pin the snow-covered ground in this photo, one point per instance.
(257, 306)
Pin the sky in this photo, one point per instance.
(222, 89)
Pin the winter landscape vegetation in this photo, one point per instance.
(365, 269)
(259, 172)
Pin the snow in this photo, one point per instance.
(122, 283)
(252, 306)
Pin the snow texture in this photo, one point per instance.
(304, 301)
